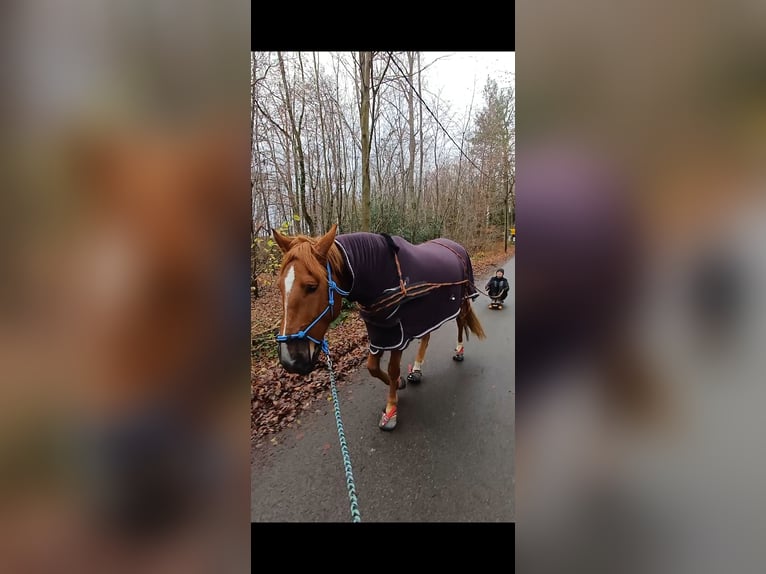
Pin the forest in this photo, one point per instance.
(359, 139)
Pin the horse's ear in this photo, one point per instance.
(284, 242)
(322, 247)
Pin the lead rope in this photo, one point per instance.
(355, 516)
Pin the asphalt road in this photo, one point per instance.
(450, 459)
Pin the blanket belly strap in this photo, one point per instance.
(415, 291)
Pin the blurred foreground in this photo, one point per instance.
(124, 415)
(641, 287)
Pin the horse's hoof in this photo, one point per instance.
(458, 356)
(387, 423)
(415, 377)
(402, 383)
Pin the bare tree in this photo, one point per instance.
(296, 140)
(345, 140)
(410, 95)
(420, 131)
(365, 74)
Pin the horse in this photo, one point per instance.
(404, 291)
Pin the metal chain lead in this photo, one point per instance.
(355, 515)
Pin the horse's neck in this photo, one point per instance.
(366, 264)
(341, 273)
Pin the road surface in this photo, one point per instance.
(450, 459)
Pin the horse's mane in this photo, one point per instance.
(303, 250)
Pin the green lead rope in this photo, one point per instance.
(355, 516)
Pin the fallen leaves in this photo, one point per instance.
(487, 261)
(278, 397)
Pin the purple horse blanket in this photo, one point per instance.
(370, 259)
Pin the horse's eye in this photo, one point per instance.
(311, 288)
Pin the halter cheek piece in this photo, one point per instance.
(303, 334)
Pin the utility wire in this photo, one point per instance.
(406, 77)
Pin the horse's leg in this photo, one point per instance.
(388, 419)
(373, 365)
(458, 356)
(416, 375)
(395, 381)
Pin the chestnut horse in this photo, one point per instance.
(405, 291)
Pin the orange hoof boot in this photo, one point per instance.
(388, 420)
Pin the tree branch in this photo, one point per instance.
(268, 117)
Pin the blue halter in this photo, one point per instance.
(331, 286)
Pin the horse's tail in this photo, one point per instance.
(472, 322)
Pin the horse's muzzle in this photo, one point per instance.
(296, 356)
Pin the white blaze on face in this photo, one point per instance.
(289, 280)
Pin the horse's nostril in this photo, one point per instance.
(284, 354)
(296, 355)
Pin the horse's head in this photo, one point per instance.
(303, 283)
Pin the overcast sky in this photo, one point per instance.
(456, 72)
(453, 74)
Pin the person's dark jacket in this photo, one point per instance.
(498, 287)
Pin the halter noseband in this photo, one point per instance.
(303, 334)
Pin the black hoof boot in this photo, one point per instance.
(458, 356)
(415, 377)
(402, 383)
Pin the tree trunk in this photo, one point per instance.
(260, 174)
(436, 175)
(297, 144)
(411, 125)
(328, 183)
(365, 66)
(420, 130)
(506, 223)
(253, 279)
